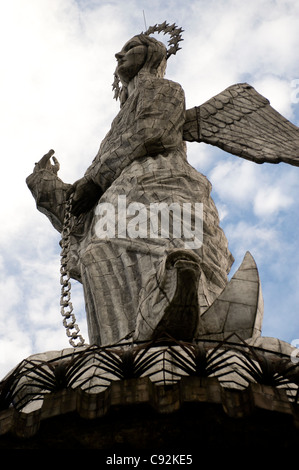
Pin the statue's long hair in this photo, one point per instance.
(155, 64)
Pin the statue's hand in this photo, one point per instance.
(85, 195)
(45, 163)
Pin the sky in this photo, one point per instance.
(57, 64)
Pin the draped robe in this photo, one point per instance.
(143, 157)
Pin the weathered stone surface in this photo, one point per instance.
(239, 307)
(90, 416)
(275, 345)
(129, 292)
(141, 284)
(241, 121)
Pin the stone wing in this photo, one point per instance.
(241, 121)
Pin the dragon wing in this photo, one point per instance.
(241, 121)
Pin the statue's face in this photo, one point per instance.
(130, 59)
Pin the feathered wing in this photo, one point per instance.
(241, 121)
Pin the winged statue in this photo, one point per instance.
(140, 283)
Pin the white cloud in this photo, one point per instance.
(10, 293)
(255, 238)
(279, 92)
(255, 188)
(14, 349)
(269, 201)
(235, 180)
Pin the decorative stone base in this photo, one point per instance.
(195, 430)
(136, 414)
(186, 395)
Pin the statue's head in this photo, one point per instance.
(141, 53)
(144, 53)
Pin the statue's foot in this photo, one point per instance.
(180, 317)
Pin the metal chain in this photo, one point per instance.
(69, 321)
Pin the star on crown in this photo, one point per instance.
(174, 32)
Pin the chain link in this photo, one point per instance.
(69, 321)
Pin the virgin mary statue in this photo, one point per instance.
(140, 283)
